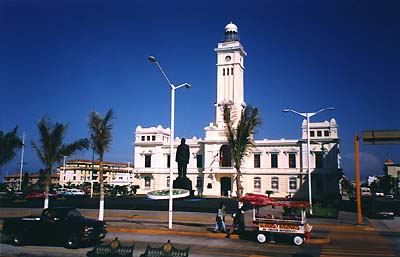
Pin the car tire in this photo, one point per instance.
(72, 242)
(261, 238)
(16, 240)
(298, 240)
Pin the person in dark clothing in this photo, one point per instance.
(238, 221)
(182, 158)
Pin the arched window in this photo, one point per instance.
(257, 184)
(225, 154)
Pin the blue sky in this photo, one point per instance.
(66, 58)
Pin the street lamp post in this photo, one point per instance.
(22, 161)
(62, 185)
(173, 88)
(308, 115)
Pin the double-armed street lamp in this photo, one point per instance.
(308, 115)
(173, 88)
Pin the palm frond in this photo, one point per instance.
(9, 142)
(101, 131)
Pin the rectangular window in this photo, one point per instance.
(231, 71)
(143, 138)
(199, 161)
(312, 133)
(275, 184)
(257, 161)
(319, 133)
(292, 184)
(147, 161)
(319, 160)
(147, 183)
(274, 160)
(326, 133)
(257, 184)
(148, 138)
(74, 178)
(292, 160)
(168, 161)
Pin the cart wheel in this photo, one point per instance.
(261, 238)
(298, 240)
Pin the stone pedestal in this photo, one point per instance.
(183, 183)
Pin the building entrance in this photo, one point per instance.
(226, 186)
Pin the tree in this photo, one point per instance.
(25, 183)
(100, 129)
(9, 142)
(240, 137)
(51, 150)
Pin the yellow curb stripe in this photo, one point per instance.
(342, 227)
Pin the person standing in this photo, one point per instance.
(238, 221)
(182, 158)
(220, 219)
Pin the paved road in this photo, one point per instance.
(331, 237)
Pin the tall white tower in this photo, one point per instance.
(230, 70)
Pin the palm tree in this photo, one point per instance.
(240, 137)
(9, 142)
(100, 129)
(51, 149)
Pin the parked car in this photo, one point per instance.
(60, 191)
(379, 210)
(39, 195)
(365, 191)
(59, 225)
(73, 192)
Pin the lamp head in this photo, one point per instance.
(286, 110)
(187, 85)
(331, 108)
(152, 59)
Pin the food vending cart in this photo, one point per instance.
(291, 222)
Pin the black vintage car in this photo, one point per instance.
(60, 225)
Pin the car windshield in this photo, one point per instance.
(74, 214)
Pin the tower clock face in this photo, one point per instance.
(228, 58)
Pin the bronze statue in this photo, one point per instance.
(182, 158)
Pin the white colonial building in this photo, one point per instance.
(279, 166)
(77, 172)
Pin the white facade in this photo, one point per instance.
(78, 172)
(275, 165)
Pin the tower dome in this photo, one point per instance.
(231, 32)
